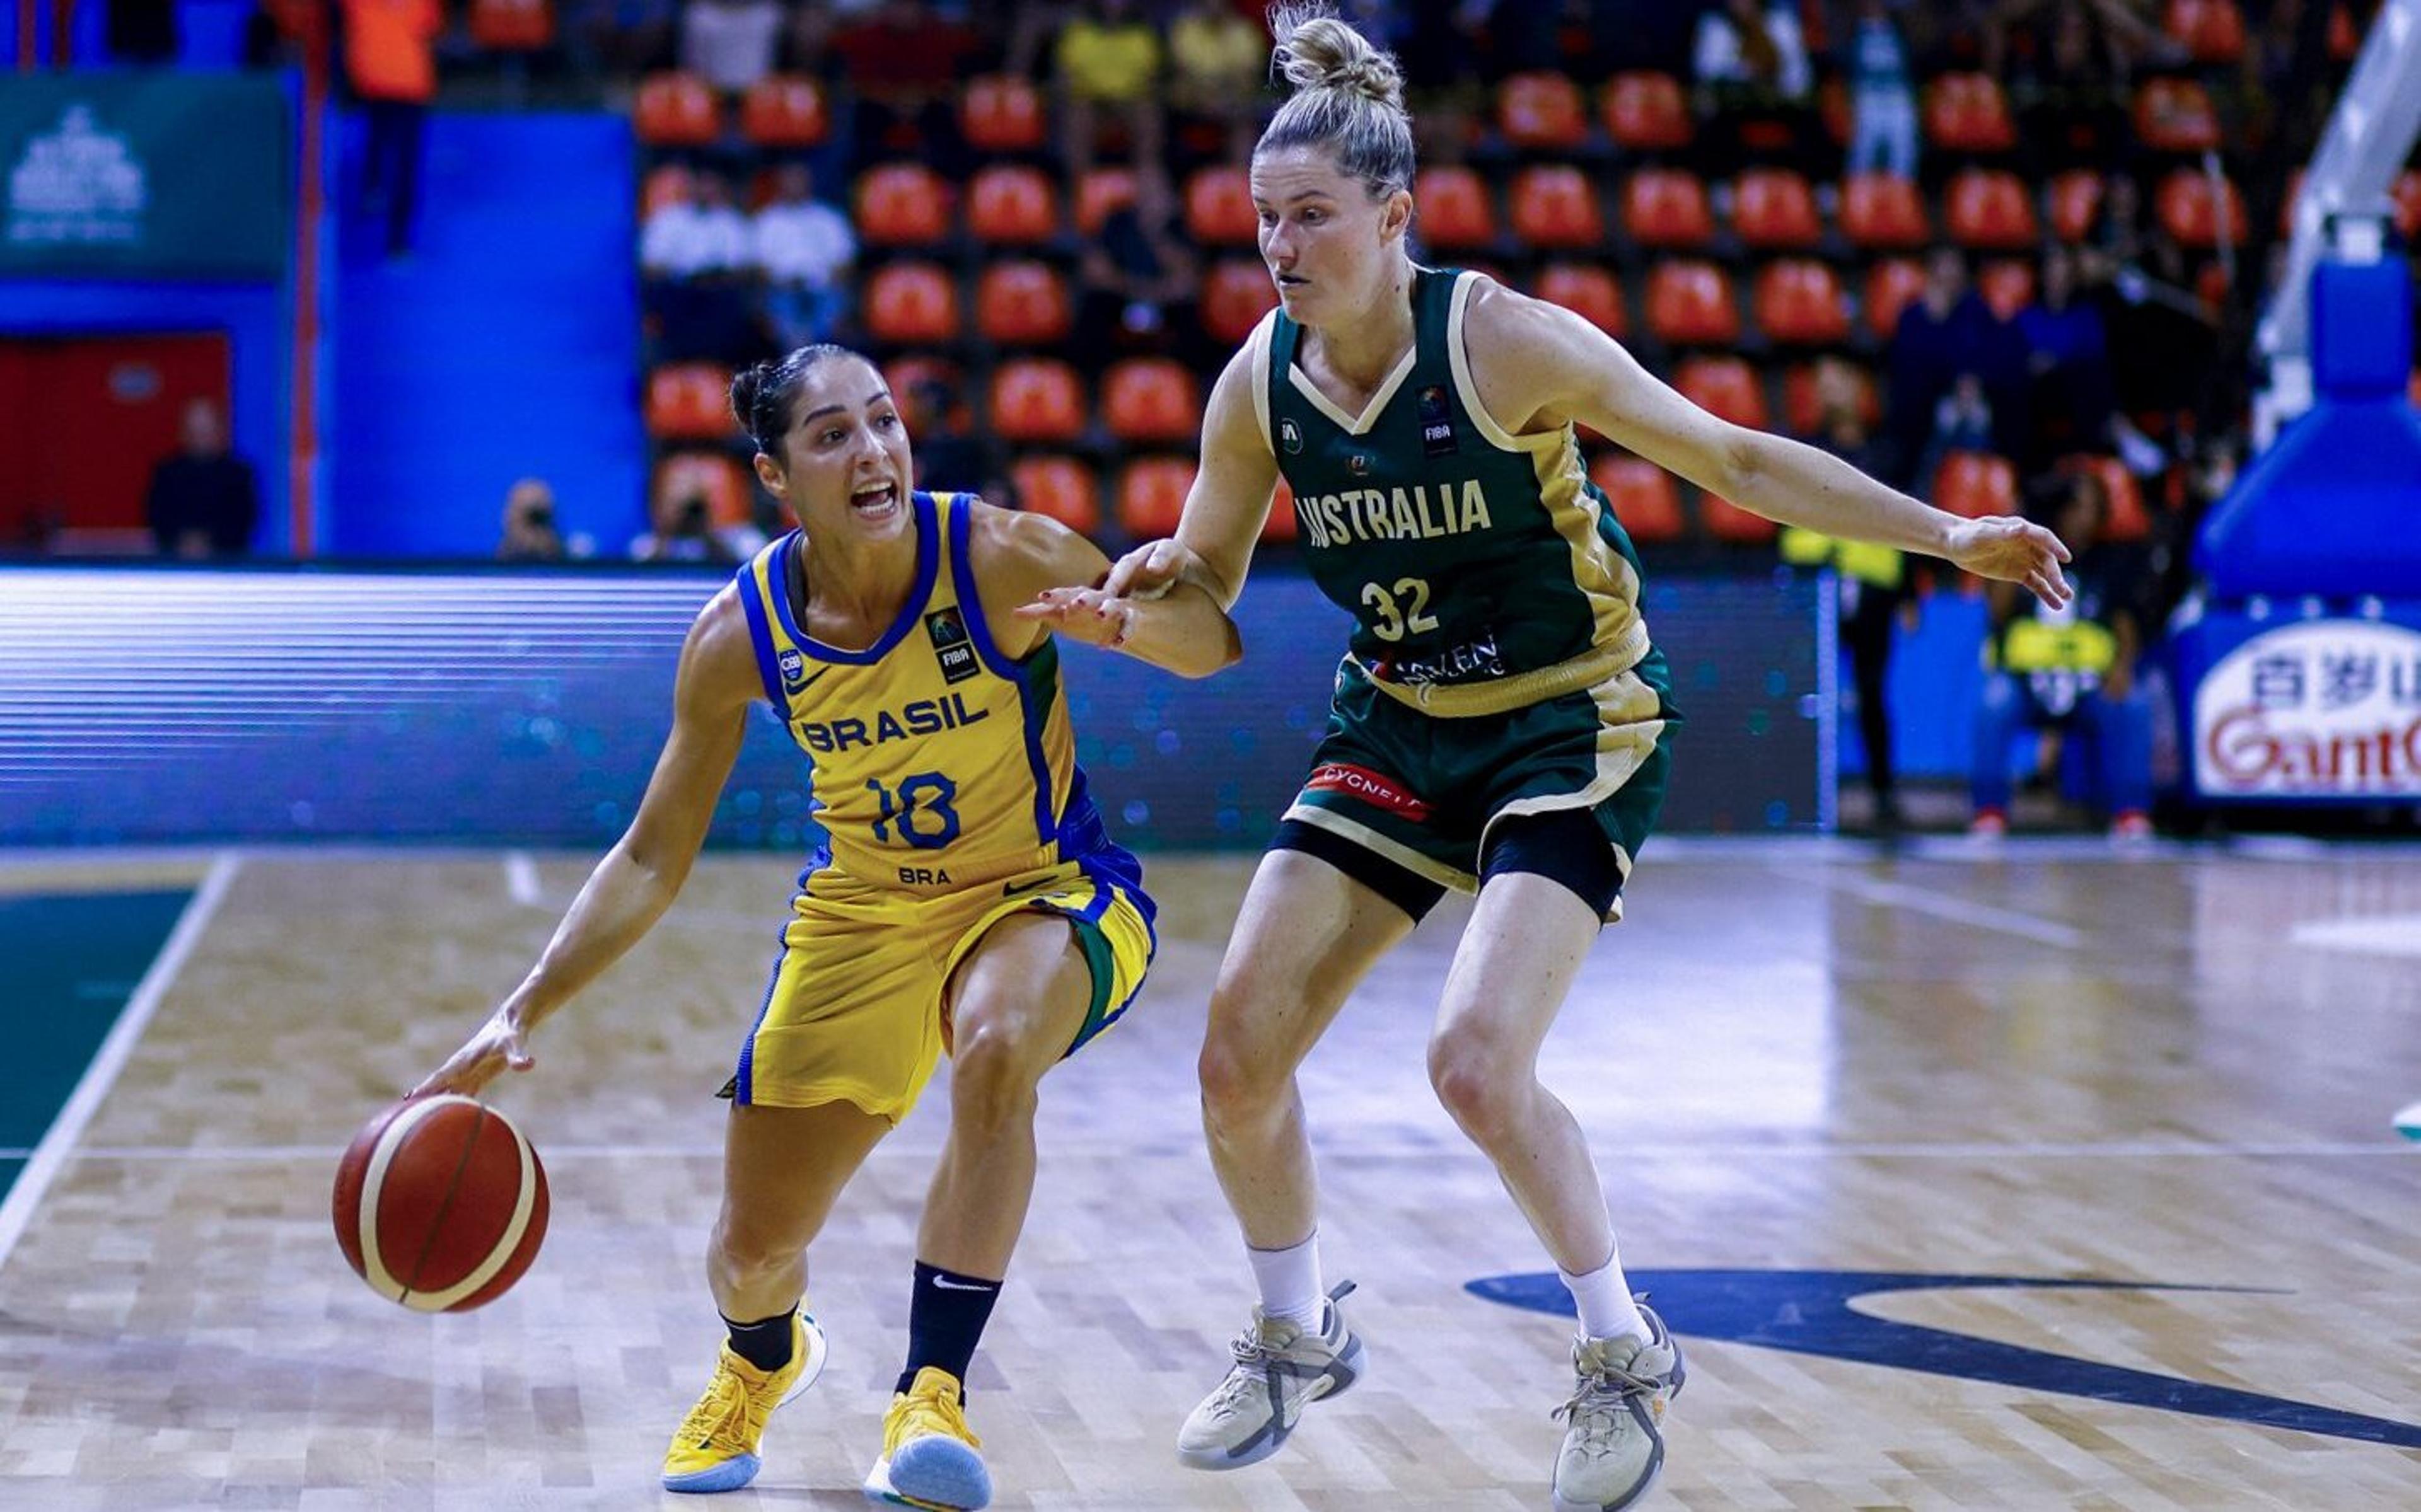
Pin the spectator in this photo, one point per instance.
(702, 233)
(1108, 59)
(393, 70)
(203, 501)
(1962, 421)
(685, 532)
(1873, 585)
(804, 248)
(1134, 285)
(1218, 67)
(530, 534)
(1943, 332)
(729, 43)
(2070, 669)
(1883, 96)
(2067, 364)
(903, 63)
(1754, 83)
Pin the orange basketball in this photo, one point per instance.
(440, 1203)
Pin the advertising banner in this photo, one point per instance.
(144, 175)
(2326, 709)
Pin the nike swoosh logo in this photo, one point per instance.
(947, 1284)
(803, 683)
(1021, 889)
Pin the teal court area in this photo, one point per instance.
(74, 961)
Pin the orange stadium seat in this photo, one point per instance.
(1834, 109)
(2211, 284)
(2212, 30)
(1036, 399)
(1555, 206)
(2194, 215)
(1646, 113)
(1100, 194)
(1802, 396)
(1003, 113)
(1890, 283)
(1976, 484)
(1967, 113)
(1060, 487)
(512, 25)
(1646, 502)
(1454, 208)
(1775, 210)
(1151, 398)
(911, 303)
(1541, 112)
(1588, 292)
(1012, 205)
(1728, 522)
(1236, 294)
(1882, 211)
(1726, 387)
(2344, 37)
(667, 185)
(1218, 207)
(677, 110)
(1799, 301)
(910, 378)
(1690, 303)
(1989, 207)
(784, 110)
(2407, 197)
(1668, 208)
(2075, 201)
(690, 401)
(2175, 115)
(902, 204)
(713, 476)
(1022, 303)
(1151, 495)
(2008, 285)
(2127, 520)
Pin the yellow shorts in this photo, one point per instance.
(853, 1013)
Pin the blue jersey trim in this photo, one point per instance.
(761, 635)
(928, 562)
(743, 1091)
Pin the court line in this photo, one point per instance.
(2111, 1149)
(521, 878)
(43, 1161)
(1940, 906)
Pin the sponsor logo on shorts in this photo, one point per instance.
(1369, 786)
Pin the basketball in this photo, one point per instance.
(440, 1203)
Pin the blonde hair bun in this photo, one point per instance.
(1317, 51)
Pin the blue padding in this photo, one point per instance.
(2333, 508)
(2362, 329)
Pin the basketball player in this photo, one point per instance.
(967, 899)
(1501, 723)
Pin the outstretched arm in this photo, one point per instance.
(1049, 576)
(1537, 364)
(638, 879)
(1213, 549)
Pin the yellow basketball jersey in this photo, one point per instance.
(937, 763)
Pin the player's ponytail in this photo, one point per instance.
(1349, 98)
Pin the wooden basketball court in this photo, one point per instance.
(1799, 1064)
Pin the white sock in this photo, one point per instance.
(1289, 1281)
(1603, 1298)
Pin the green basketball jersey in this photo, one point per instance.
(1483, 569)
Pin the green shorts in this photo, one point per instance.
(1422, 791)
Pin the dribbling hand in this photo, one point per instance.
(2013, 551)
(1148, 571)
(500, 1044)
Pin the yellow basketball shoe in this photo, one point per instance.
(929, 1453)
(715, 1447)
